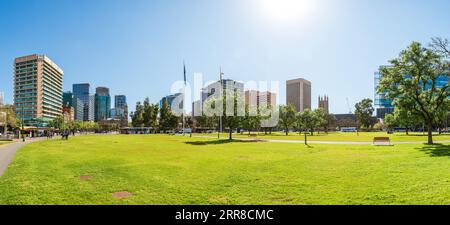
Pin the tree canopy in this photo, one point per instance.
(411, 80)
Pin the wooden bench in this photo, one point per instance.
(381, 141)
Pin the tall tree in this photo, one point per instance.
(405, 118)
(165, 117)
(308, 120)
(330, 122)
(287, 117)
(150, 114)
(363, 112)
(231, 104)
(390, 121)
(137, 119)
(320, 118)
(250, 122)
(412, 82)
(8, 118)
(167, 120)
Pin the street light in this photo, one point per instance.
(23, 136)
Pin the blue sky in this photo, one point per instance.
(137, 47)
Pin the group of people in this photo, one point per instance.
(50, 135)
(64, 134)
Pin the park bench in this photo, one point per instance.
(381, 141)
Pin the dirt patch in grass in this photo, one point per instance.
(122, 194)
(86, 178)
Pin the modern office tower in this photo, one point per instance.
(384, 105)
(120, 101)
(324, 104)
(102, 104)
(38, 91)
(257, 98)
(226, 85)
(78, 108)
(170, 99)
(68, 99)
(91, 108)
(120, 107)
(298, 94)
(81, 93)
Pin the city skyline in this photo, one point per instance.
(139, 49)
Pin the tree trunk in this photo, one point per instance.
(306, 138)
(430, 133)
(407, 131)
(231, 134)
(287, 132)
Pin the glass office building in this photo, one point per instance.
(120, 110)
(385, 105)
(102, 104)
(81, 92)
(170, 99)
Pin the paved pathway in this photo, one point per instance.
(327, 142)
(7, 152)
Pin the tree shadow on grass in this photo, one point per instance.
(221, 142)
(437, 150)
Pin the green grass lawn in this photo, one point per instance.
(180, 170)
(341, 137)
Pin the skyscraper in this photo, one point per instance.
(38, 91)
(170, 99)
(68, 99)
(81, 93)
(298, 94)
(225, 85)
(102, 104)
(256, 98)
(120, 110)
(120, 101)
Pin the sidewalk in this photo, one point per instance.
(7, 152)
(325, 142)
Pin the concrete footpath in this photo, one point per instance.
(323, 142)
(7, 152)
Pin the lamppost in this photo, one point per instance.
(221, 96)
(23, 128)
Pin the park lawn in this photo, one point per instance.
(339, 136)
(179, 170)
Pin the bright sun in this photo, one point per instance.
(287, 10)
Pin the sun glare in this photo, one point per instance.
(287, 10)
